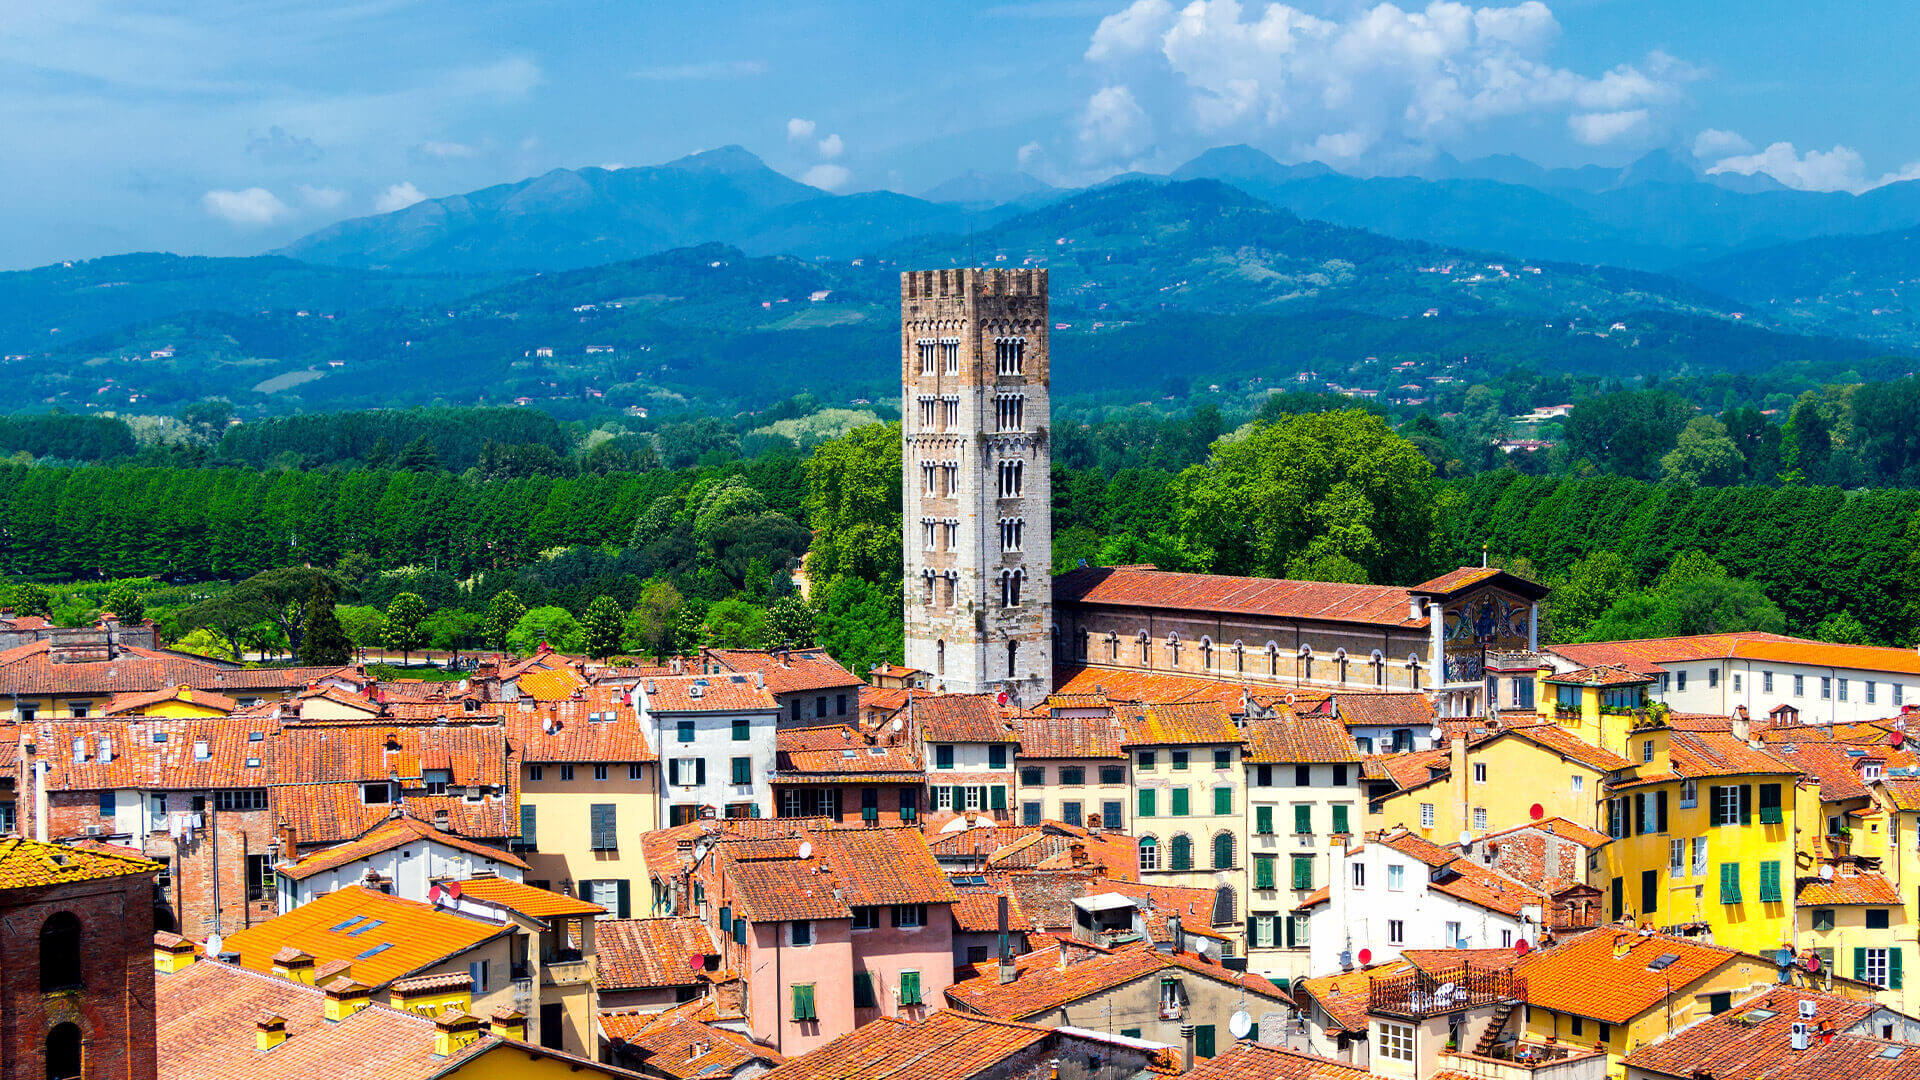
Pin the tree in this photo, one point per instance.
(1627, 432)
(31, 599)
(736, 624)
(853, 505)
(504, 612)
(1310, 487)
(360, 624)
(285, 595)
(325, 641)
(1589, 589)
(789, 624)
(554, 627)
(402, 629)
(601, 627)
(420, 455)
(451, 629)
(1842, 628)
(1806, 442)
(689, 629)
(650, 626)
(1706, 455)
(862, 624)
(1695, 595)
(125, 602)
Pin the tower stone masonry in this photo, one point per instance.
(977, 494)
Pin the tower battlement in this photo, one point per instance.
(972, 281)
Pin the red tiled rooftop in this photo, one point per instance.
(1379, 605)
(644, 953)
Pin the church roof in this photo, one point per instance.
(1146, 587)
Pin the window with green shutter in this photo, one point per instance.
(726, 919)
(803, 1002)
(863, 991)
(601, 822)
(742, 730)
(1263, 871)
(1181, 798)
(910, 988)
(739, 931)
(1302, 818)
(1303, 871)
(1203, 1040)
(743, 770)
(1823, 918)
(1893, 966)
(1340, 818)
(623, 898)
(1769, 882)
(1729, 883)
(997, 797)
(1770, 811)
(1223, 799)
(1146, 804)
(1032, 775)
(1129, 1033)
(529, 839)
(1180, 852)
(1263, 820)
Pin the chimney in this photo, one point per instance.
(453, 1030)
(344, 998)
(1006, 943)
(507, 1022)
(269, 1031)
(1186, 1040)
(730, 999)
(1079, 851)
(171, 953)
(1742, 729)
(1174, 937)
(292, 964)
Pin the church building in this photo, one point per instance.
(985, 615)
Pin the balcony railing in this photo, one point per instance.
(566, 973)
(1529, 1061)
(1419, 994)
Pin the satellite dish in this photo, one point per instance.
(899, 724)
(1436, 733)
(1826, 873)
(696, 961)
(1240, 1024)
(1446, 990)
(1201, 946)
(214, 942)
(433, 895)
(806, 849)
(453, 890)
(1466, 837)
(1366, 957)
(1522, 947)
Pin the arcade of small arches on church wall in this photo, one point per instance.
(1288, 652)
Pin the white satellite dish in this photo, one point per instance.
(1445, 991)
(899, 724)
(1240, 1024)
(1826, 873)
(214, 943)
(1437, 733)
(806, 849)
(1466, 837)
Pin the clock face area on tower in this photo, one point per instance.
(975, 480)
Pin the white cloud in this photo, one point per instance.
(321, 198)
(1598, 129)
(798, 129)
(1717, 143)
(1839, 169)
(398, 197)
(1031, 155)
(831, 146)
(255, 206)
(712, 69)
(447, 151)
(828, 177)
(1376, 81)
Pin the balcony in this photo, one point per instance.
(566, 973)
(1418, 994)
(1529, 1061)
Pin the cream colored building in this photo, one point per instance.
(1189, 800)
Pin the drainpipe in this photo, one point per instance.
(40, 800)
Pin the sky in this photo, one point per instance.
(232, 126)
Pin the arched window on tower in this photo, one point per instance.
(1013, 657)
(1273, 659)
(1080, 643)
(60, 952)
(1340, 661)
(1239, 657)
(63, 1052)
(939, 658)
(1413, 669)
(1113, 646)
(1306, 662)
(1379, 665)
(1146, 650)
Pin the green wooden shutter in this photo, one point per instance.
(743, 770)
(997, 797)
(1203, 1040)
(1303, 871)
(863, 991)
(910, 988)
(1771, 813)
(1302, 818)
(1340, 818)
(601, 823)
(803, 1002)
(1263, 820)
(1181, 850)
(1263, 871)
(528, 828)
(1660, 812)
(1181, 801)
(1223, 799)
(1893, 967)
(1860, 964)
(1746, 804)
(1714, 814)
(625, 904)
(1146, 804)
(739, 931)
(726, 919)
(1769, 882)
(1729, 883)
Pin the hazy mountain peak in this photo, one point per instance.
(730, 159)
(1243, 162)
(978, 186)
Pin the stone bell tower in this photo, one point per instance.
(977, 499)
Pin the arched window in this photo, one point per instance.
(939, 658)
(1080, 644)
(1173, 650)
(1013, 657)
(1149, 853)
(1379, 664)
(60, 952)
(1146, 650)
(1180, 852)
(1306, 662)
(1413, 669)
(1239, 657)
(1340, 659)
(1206, 653)
(1226, 906)
(63, 1052)
(1223, 851)
(1113, 646)
(1273, 659)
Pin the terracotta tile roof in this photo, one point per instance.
(1384, 710)
(1581, 975)
(29, 669)
(474, 754)
(1410, 769)
(959, 718)
(947, 1045)
(1258, 1061)
(1193, 906)
(390, 834)
(1849, 886)
(123, 704)
(555, 684)
(233, 758)
(524, 899)
(1737, 1043)
(803, 670)
(1601, 675)
(383, 937)
(596, 726)
(1559, 826)
(332, 813)
(1043, 981)
(682, 1048)
(640, 953)
(1466, 577)
(1713, 753)
(1047, 737)
(1835, 766)
(1435, 960)
(883, 699)
(1047, 846)
(1569, 746)
(660, 847)
(1288, 737)
(978, 911)
(1345, 997)
(1115, 586)
(706, 693)
(1150, 687)
(1648, 655)
(842, 751)
(1464, 878)
(28, 864)
(1314, 898)
(866, 866)
(280, 678)
(1185, 723)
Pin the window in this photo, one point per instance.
(1480, 818)
(910, 988)
(1680, 679)
(261, 884)
(1179, 760)
(1736, 682)
(1453, 938)
(372, 794)
(1770, 809)
(1799, 686)
(1579, 784)
(1263, 820)
(1180, 852)
(1340, 818)
(1223, 799)
(1826, 687)
(803, 1002)
(1070, 812)
(1146, 760)
(601, 819)
(1009, 354)
(684, 730)
(1871, 966)
(1676, 857)
(1223, 851)
(800, 932)
(1479, 772)
(1396, 1041)
(1181, 801)
(1396, 932)
(634, 770)
(1145, 807)
(599, 773)
(1869, 691)
(1030, 813)
(685, 772)
(1426, 815)
(63, 1051)
(1729, 805)
(1302, 868)
(1713, 678)
(1009, 412)
(1766, 682)
(1110, 812)
(1203, 1041)
(1699, 856)
(1032, 775)
(1263, 871)
(866, 918)
(1842, 687)
(1359, 875)
(60, 953)
(863, 990)
(1012, 479)
(1730, 883)
(1689, 794)
(1396, 878)
(943, 756)
(909, 916)
(1719, 1003)
(1877, 918)
(1113, 774)
(1646, 750)
(1223, 759)
(743, 770)
(950, 353)
(1149, 853)
(927, 350)
(1302, 819)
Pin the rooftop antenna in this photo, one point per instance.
(1483, 555)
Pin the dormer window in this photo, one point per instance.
(437, 780)
(202, 752)
(376, 794)
(1869, 772)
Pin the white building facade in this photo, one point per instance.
(715, 735)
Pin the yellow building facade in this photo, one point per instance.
(1564, 775)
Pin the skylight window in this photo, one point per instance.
(349, 922)
(375, 951)
(1663, 961)
(366, 926)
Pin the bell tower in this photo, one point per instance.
(976, 490)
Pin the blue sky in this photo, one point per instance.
(226, 127)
